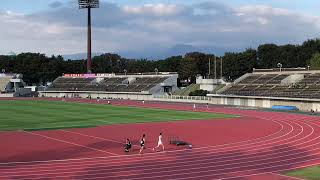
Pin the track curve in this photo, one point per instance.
(295, 145)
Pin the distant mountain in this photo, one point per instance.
(179, 49)
(158, 53)
(79, 56)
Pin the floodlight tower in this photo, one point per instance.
(88, 4)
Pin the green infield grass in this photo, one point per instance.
(310, 173)
(39, 115)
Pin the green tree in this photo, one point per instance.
(308, 49)
(315, 61)
(237, 64)
(268, 56)
(188, 69)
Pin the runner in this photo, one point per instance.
(159, 143)
(127, 146)
(142, 143)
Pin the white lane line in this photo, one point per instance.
(171, 151)
(95, 137)
(243, 166)
(217, 170)
(67, 142)
(255, 174)
(281, 175)
(100, 138)
(163, 175)
(160, 154)
(134, 169)
(215, 162)
(115, 162)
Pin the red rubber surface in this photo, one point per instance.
(258, 145)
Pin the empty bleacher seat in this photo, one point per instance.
(110, 84)
(271, 85)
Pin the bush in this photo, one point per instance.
(199, 93)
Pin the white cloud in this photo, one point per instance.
(264, 10)
(153, 9)
(153, 27)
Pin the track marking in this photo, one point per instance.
(67, 142)
(196, 169)
(184, 174)
(285, 176)
(204, 171)
(204, 162)
(127, 171)
(171, 151)
(96, 137)
(256, 174)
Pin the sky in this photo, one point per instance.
(155, 27)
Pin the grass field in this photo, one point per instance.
(311, 173)
(37, 115)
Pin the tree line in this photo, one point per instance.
(38, 69)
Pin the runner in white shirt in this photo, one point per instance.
(159, 143)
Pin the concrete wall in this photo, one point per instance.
(292, 79)
(96, 95)
(208, 87)
(316, 106)
(302, 104)
(6, 95)
(171, 81)
(209, 84)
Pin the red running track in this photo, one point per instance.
(259, 145)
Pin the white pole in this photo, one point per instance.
(221, 66)
(215, 67)
(209, 67)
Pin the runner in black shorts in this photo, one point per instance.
(142, 143)
(127, 146)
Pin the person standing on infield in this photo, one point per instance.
(142, 143)
(159, 143)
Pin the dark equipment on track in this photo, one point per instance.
(178, 142)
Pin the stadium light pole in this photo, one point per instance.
(88, 4)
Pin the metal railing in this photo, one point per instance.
(173, 97)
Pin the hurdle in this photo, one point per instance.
(175, 140)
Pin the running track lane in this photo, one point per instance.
(296, 145)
